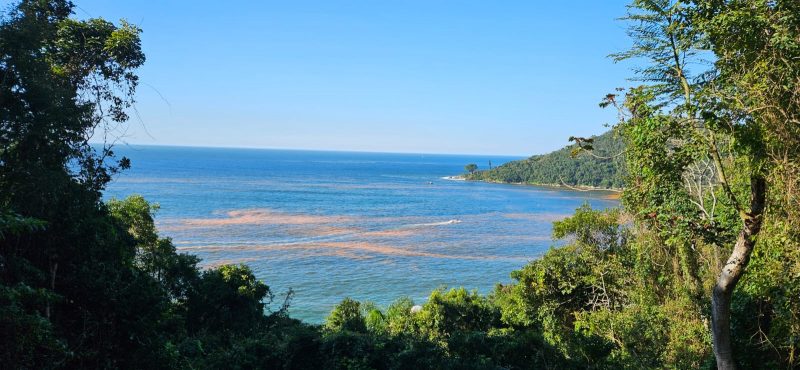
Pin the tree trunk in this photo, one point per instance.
(732, 272)
(53, 270)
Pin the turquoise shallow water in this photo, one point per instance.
(330, 225)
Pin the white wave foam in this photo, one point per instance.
(454, 178)
(441, 223)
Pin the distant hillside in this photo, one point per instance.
(559, 167)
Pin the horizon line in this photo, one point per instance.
(308, 149)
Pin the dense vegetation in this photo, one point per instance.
(603, 167)
(700, 267)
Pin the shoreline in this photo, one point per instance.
(613, 193)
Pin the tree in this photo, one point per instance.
(347, 315)
(757, 93)
(155, 256)
(62, 82)
(737, 122)
(471, 168)
(227, 298)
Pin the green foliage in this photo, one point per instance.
(28, 339)
(454, 329)
(455, 311)
(706, 148)
(347, 316)
(769, 301)
(154, 255)
(88, 284)
(581, 277)
(602, 168)
(591, 228)
(227, 298)
(399, 318)
(11, 223)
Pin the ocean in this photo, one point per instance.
(330, 225)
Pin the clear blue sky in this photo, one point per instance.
(429, 76)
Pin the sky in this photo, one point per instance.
(419, 76)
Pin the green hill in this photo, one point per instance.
(561, 168)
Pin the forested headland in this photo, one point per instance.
(603, 167)
(698, 268)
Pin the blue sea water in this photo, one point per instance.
(330, 225)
